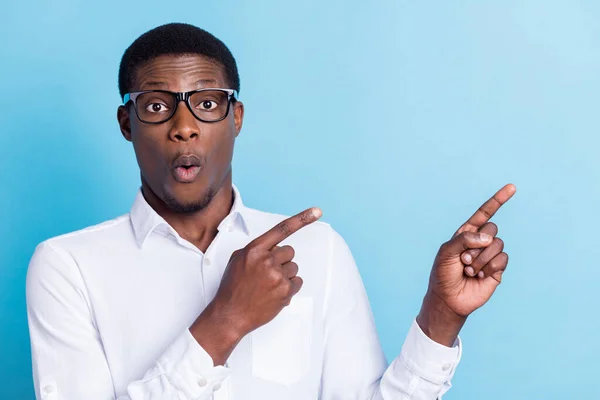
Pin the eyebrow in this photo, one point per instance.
(201, 83)
(206, 82)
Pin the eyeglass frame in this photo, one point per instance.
(232, 95)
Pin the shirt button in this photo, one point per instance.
(48, 389)
(229, 228)
(202, 381)
(446, 367)
(216, 387)
(207, 262)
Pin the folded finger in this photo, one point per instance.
(495, 268)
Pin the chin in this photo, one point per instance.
(188, 201)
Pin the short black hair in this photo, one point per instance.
(175, 38)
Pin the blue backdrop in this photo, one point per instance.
(397, 118)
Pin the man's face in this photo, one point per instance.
(159, 148)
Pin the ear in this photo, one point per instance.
(124, 122)
(238, 116)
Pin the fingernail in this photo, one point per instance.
(316, 212)
(485, 238)
(480, 274)
(470, 271)
(467, 258)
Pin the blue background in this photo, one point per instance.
(397, 118)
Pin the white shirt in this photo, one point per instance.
(109, 309)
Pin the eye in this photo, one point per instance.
(207, 105)
(208, 101)
(156, 107)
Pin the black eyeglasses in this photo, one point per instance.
(158, 106)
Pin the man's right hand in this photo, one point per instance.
(258, 282)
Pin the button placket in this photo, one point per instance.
(221, 390)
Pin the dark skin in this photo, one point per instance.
(157, 146)
(261, 278)
(466, 272)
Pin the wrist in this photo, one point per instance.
(216, 322)
(438, 321)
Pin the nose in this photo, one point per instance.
(185, 126)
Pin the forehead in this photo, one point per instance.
(181, 72)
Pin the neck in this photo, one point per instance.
(198, 228)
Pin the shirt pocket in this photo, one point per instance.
(281, 349)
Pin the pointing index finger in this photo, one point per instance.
(488, 209)
(287, 227)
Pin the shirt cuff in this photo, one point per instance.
(190, 368)
(428, 359)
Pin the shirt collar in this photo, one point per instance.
(145, 220)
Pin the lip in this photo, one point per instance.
(186, 168)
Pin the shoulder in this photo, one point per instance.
(57, 257)
(113, 229)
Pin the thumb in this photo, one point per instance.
(465, 241)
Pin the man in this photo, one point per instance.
(193, 295)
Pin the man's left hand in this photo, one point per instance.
(466, 272)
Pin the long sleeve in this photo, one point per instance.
(67, 351)
(354, 364)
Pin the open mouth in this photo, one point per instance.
(186, 168)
